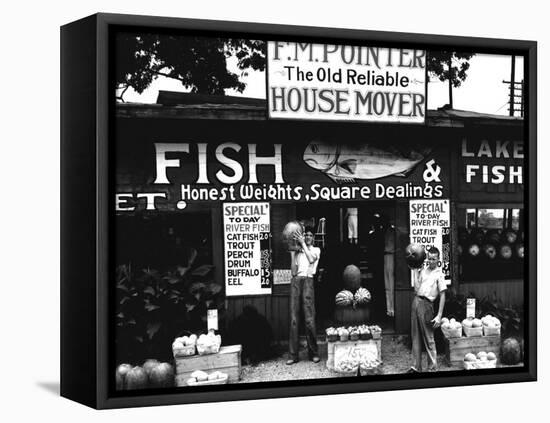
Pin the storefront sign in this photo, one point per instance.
(338, 82)
(308, 169)
(247, 248)
(430, 222)
(492, 162)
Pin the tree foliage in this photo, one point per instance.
(199, 63)
(456, 74)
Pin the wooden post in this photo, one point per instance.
(450, 65)
(512, 85)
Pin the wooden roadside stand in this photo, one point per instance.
(352, 348)
(226, 360)
(473, 341)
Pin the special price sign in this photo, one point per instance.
(247, 248)
(338, 82)
(430, 226)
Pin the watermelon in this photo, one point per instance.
(344, 298)
(510, 236)
(478, 235)
(162, 376)
(290, 229)
(489, 251)
(149, 365)
(121, 372)
(415, 255)
(463, 235)
(136, 378)
(505, 251)
(493, 237)
(362, 296)
(520, 252)
(511, 351)
(352, 278)
(473, 250)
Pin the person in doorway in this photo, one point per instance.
(303, 264)
(429, 284)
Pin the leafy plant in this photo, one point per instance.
(153, 307)
(510, 318)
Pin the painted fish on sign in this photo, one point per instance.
(347, 163)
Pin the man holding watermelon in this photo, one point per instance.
(429, 284)
(303, 266)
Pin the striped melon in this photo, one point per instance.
(344, 298)
(362, 296)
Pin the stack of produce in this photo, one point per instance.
(376, 331)
(353, 333)
(482, 360)
(343, 333)
(492, 244)
(364, 332)
(354, 294)
(152, 374)
(491, 325)
(472, 327)
(209, 344)
(184, 345)
(451, 328)
(198, 377)
(332, 334)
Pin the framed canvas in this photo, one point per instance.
(259, 211)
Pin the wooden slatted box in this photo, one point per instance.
(227, 360)
(457, 348)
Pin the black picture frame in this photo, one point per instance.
(87, 197)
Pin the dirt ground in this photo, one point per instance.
(396, 358)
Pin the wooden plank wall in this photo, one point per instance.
(510, 292)
(274, 307)
(403, 301)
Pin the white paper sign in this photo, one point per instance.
(212, 319)
(247, 240)
(470, 307)
(430, 223)
(337, 82)
(352, 355)
(281, 276)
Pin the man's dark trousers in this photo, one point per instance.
(422, 332)
(302, 293)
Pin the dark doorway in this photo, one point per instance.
(374, 220)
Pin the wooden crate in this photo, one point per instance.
(227, 360)
(457, 348)
(332, 345)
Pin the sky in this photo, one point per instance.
(483, 91)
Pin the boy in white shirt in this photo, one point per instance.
(303, 267)
(429, 283)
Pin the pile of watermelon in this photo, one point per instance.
(152, 374)
(354, 294)
(345, 298)
(491, 244)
